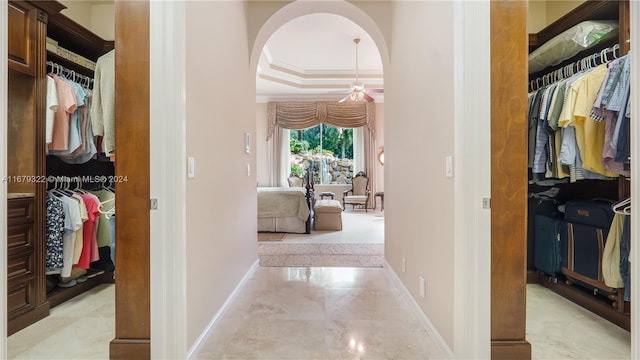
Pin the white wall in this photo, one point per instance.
(221, 199)
(419, 108)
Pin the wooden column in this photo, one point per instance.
(133, 329)
(508, 179)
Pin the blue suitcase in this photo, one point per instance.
(587, 226)
(537, 206)
(547, 256)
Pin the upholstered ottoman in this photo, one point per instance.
(327, 215)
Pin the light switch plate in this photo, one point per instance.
(247, 143)
(449, 166)
(191, 167)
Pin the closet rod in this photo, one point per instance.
(69, 73)
(572, 68)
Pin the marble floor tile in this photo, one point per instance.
(307, 313)
(560, 329)
(80, 328)
(329, 313)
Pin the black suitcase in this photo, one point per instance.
(587, 226)
(537, 206)
(547, 254)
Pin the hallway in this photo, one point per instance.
(319, 313)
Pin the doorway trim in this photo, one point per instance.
(168, 259)
(4, 47)
(635, 185)
(472, 159)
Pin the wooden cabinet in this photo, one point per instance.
(25, 303)
(26, 288)
(22, 22)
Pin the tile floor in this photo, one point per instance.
(321, 313)
(81, 328)
(343, 307)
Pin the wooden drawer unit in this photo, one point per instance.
(23, 307)
(20, 211)
(22, 18)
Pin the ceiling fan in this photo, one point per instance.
(357, 92)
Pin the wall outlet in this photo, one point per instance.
(404, 265)
(422, 286)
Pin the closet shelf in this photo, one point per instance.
(60, 295)
(589, 10)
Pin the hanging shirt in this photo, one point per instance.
(69, 238)
(103, 107)
(52, 107)
(66, 106)
(88, 234)
(77, 249)
(104, 232)
(54, 226)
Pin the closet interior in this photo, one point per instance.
(61, 181)
(578, 199)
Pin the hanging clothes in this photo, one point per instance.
(576, 123)
(103, 106)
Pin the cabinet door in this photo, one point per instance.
(22, 18)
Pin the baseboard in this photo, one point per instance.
(130, 349)
(510, 350)
(224, 306)
(424, 320)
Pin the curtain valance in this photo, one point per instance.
(300, 115)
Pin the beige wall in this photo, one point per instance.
(419, 134)
(97, 16)
(221, 199)
(542, 13)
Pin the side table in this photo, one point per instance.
(327, 194)
(379, 194)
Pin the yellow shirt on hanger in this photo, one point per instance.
(589, 132)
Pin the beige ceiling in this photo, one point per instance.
(313, 55)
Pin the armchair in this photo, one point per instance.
(359, 192)
(295, 180)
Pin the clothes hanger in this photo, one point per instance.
(619, 207)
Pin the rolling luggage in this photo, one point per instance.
(547, 255)
(587, 226)
(537, 206)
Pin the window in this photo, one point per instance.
(326, 150)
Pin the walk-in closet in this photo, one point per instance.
(579, 161)
(61, 185)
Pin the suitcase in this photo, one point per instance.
(547, 254)
(537, 206)
(587, 226)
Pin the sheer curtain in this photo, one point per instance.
(358, 150)
(299, 115)
(279, 160)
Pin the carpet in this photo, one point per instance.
(269, 236)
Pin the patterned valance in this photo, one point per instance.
(300, 115)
